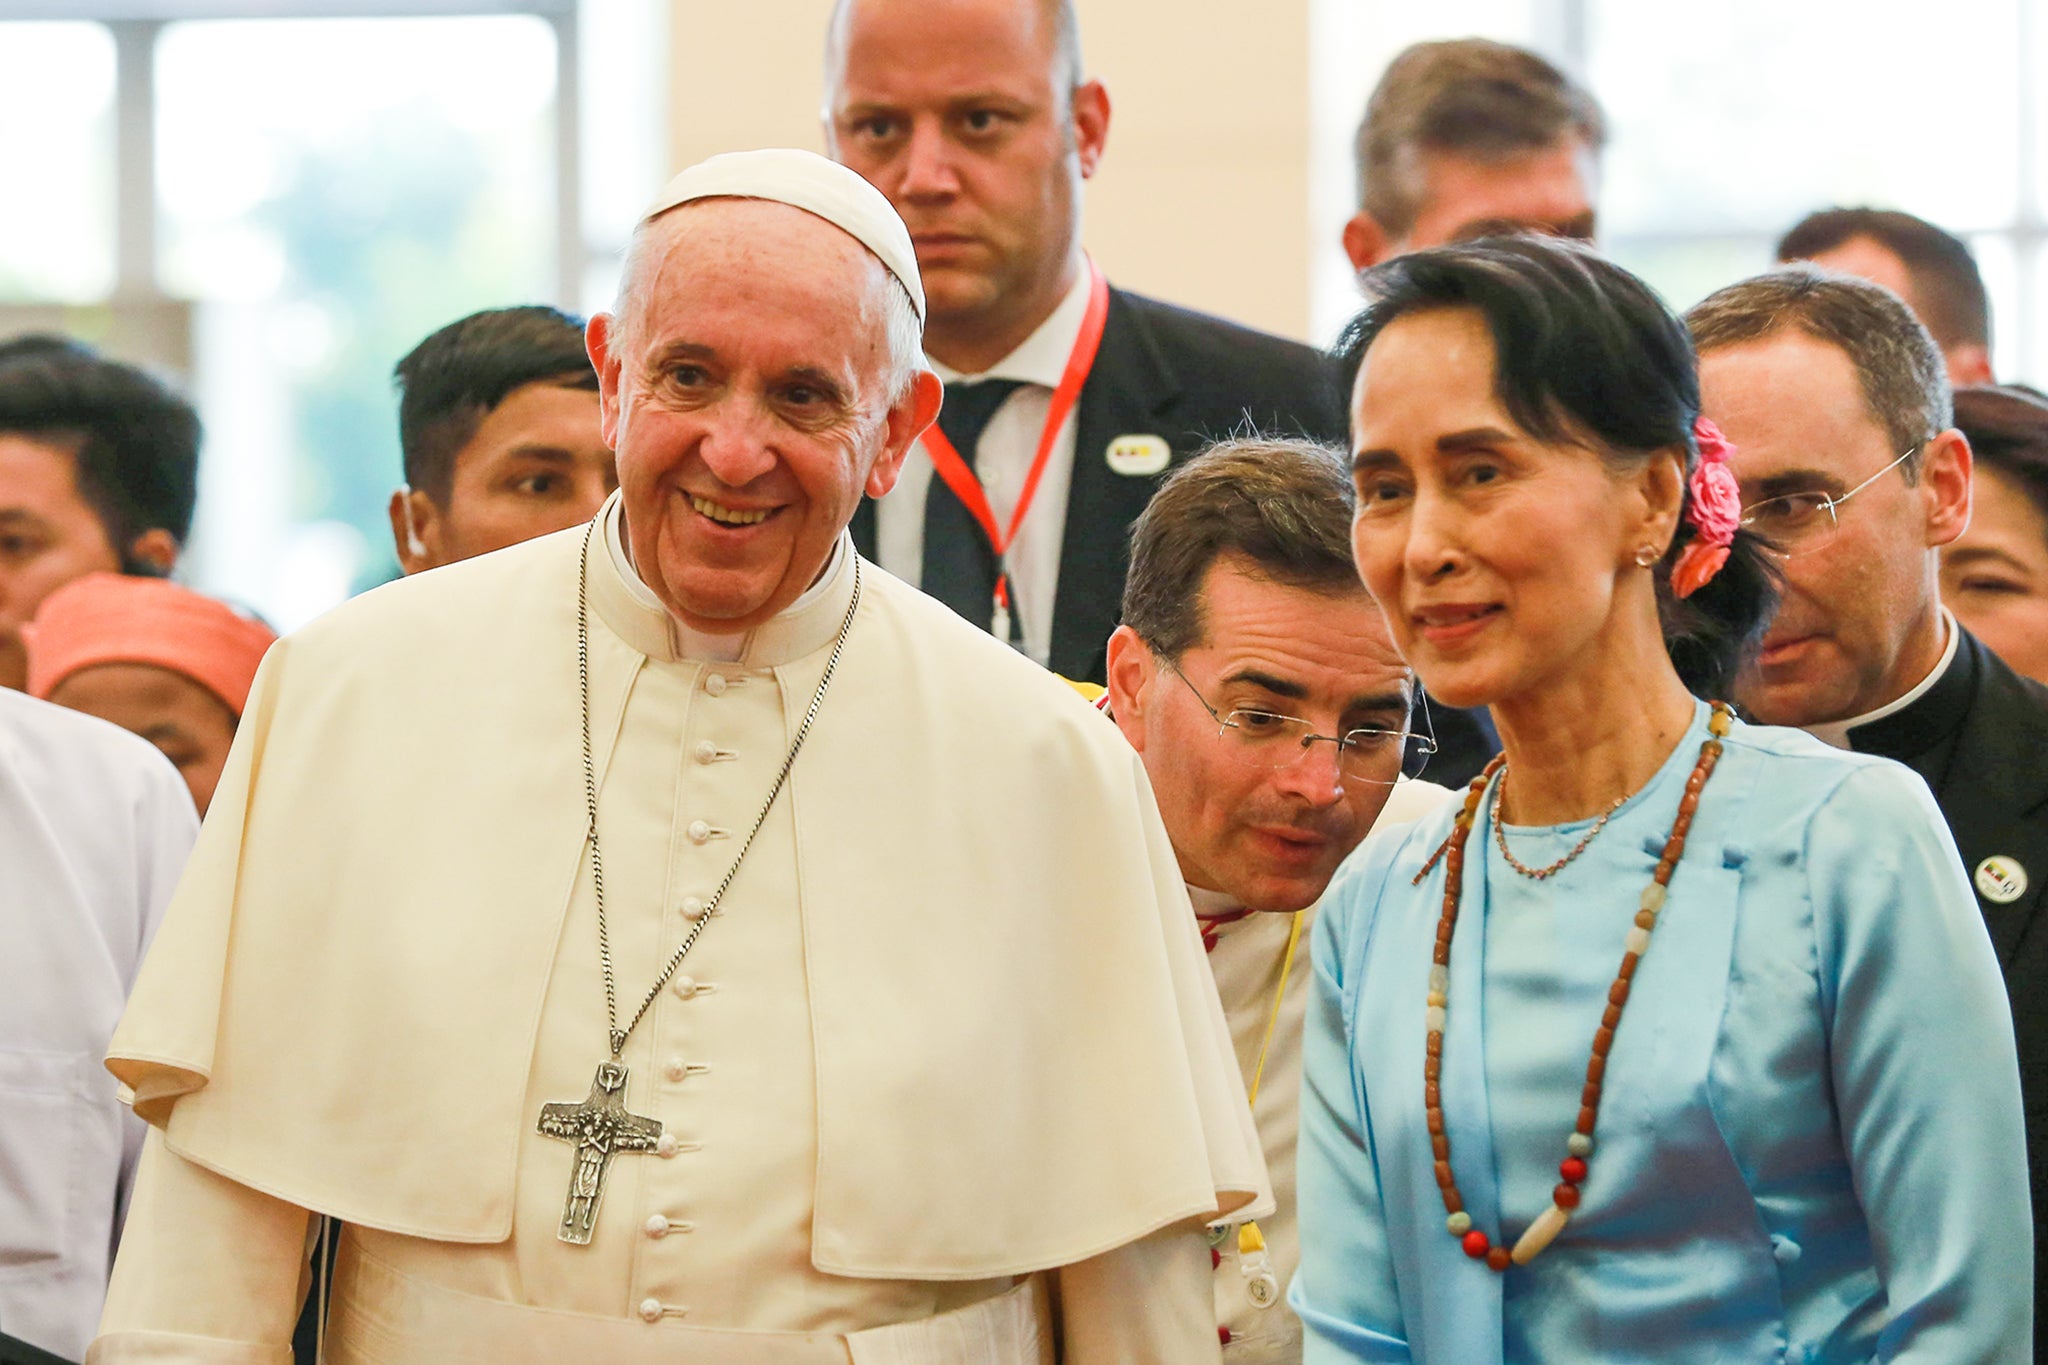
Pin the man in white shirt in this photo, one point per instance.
(1254, 675)
(1066, 399)
(94, 829)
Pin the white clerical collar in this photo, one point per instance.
(625, 602)
(1042, 357)
(1836, 732)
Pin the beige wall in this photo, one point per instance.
(1203, 197)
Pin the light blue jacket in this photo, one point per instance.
(1810, 1146)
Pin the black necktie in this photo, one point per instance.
(959, 563)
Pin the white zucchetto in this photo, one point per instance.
(809, 182)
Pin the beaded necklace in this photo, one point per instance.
(1579, 1146)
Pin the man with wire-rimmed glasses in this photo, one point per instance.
(1254, 675)
(1838, 403)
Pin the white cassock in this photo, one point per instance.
(95, 827)
(944, 1079)
(1249, 958)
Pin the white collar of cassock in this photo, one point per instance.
(1042, 357)
(1836, 732)
(624, 601)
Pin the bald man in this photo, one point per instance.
(978, 119)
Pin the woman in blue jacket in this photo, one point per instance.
(1678, 1039)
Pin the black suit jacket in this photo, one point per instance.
(14, 1351)
(1189, 379)
(1979, 737)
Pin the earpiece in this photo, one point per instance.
(413, 544)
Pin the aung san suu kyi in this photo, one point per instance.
(1676, 1039)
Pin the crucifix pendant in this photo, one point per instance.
(599, 1127)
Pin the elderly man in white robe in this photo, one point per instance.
(675, 939)
(1255, 676)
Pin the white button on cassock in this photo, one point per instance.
(656, 1226)
(684, 987)
(667, 1145)
(698, 831)
(675, 1069)
(692, 907)
(714, 683)
(650, 1310)
(705, 752)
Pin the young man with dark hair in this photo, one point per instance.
(498, 422)
(99, 472)
(1248, 645)
(1932, 270)
(1469, 138)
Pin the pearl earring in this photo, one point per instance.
(1646, 556)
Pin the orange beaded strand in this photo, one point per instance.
(1579, 1146)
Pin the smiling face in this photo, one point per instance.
(960, 112)
(1269, 837)
(537, 463)
(747, 396)
(1858, 625)
(1505, 564)
(1994, 576)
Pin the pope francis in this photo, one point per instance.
(674, 939)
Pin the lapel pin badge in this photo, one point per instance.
(2001, 880)
(1138, 455)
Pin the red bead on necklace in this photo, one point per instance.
(1579, 1146)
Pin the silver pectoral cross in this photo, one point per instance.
(599, 1127)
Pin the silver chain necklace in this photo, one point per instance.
(600, 1126)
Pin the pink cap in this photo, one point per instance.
(107, 618)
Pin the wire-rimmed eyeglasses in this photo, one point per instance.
(1800, 523)
(1273, 740)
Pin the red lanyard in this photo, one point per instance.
(966, 487)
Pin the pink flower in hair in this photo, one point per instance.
(1715, 512)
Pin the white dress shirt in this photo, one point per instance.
(94, 829)
(1248, 957)
(1002, 461)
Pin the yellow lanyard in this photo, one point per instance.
(1250, 1240)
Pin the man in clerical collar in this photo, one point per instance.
(675, 939)
(1066, 399)
(1837, 401)
(1254, 676)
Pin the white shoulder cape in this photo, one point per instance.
(1020, 1057)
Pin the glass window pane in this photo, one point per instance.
(1748, 115)
(332, 191)
(1350, 44)
(1687, 269)
(57, 160)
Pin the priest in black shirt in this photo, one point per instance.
(1839, 405)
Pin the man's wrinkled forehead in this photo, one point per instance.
(751, 243)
